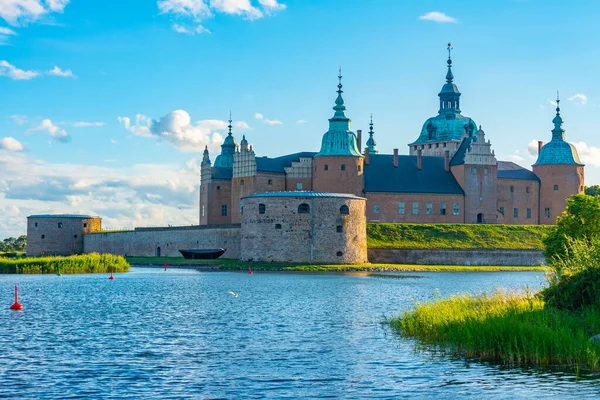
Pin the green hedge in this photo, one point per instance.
(82, 264)
(455, 236)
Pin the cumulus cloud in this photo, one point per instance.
(56, 71)
(10, 144)
(177, 128)
(262, 118)
(22, 12)
(189, 30)
(12, 72)
(58, 134)
(532, 148)
(271, 5)
(588, 154)
(437, 16)
(579, 98)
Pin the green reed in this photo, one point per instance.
(78, 264)
(508, 328)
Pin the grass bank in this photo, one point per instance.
(508, 328)
(80, 264)
(455, 236)
(236, 265)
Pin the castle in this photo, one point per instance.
(451, 174)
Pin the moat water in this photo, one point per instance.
(180, 334)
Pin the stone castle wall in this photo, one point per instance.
(58, 235)
(279, 233)
(145, 242)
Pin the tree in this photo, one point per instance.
(580, 220)
(593, 190)
(12, 244)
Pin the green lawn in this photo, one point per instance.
(455, 236)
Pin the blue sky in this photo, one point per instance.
(106, 105)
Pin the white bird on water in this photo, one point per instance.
(233, 294)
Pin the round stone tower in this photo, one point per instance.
(338, 167)
(560, 172)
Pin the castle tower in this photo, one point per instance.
(228, 149)
(205, 180)
(560, 172)
(338, 167)
(244, 178)
(371, 143)
(445, 130)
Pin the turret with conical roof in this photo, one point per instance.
(228, 149)
(371, 143)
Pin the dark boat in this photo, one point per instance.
(202, 254)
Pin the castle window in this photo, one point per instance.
(527, 189)
(502, 211)
(218, 187)
(242, 182)
(429, 146)
(456, 209)
(339, 254)
(529, 213)
(339, 228)
(43, 236)
(60, 224)
(203, 210)
(555, 187)
(401, 208)
(299, 186)
(516, 212)
(443, 208)
(444, 144)
(344, 210)
(303, 209)
(36, 224)
(512, 189)
(325, 167)
(415, 208)
(343, 167)
(277, 226)
(485, 171)
(270, 182)
(437, 145)
(262, 208)
(547, 212)
(429, 208)
(358, 168)
(474, 170)
(74, 236)
(375, 208)
(224, 210)
(84, 225)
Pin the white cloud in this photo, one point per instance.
(22, 12)
(237, 7)
(301, 121)
(194, 8)
(84, 124)
(271, 5)
(262, 118)
(176, 127)
(113, 141)
(579, 98)
(551, 102)
(56, 71)
(12, 72)
(190, 30)
(588, 154)
(6, 31)
(19, 119)
(532, 148)
(58, 134)
(437, 16)
(10, 144)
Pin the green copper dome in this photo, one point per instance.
(228, 149)
(449, 124)
(339, 140)
(558, 151)
(371, 143)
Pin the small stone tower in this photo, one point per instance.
(205, 179)
(560, 172)
(338, 167)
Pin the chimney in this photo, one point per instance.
(419, 159)
(540, 144)
(359, 138)
(395, 158)
(447, 160)
(366, 156)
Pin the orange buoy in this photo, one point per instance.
(17, 305)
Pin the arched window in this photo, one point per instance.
(344, 210)
(303, 209)
(262, 208)
(343, 167)
(339, 254)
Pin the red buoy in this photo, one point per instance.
(165, 265)
(111, 277)
(16, 306)
(250, 271)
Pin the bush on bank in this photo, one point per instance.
(78, 264)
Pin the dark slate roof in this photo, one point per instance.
(510, 170)
(221, 173)
(459, 156)
(62, 216)
(305, 194)
(277, 164)
(381, 176)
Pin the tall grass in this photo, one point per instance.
(508, 328)
(80, 264)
